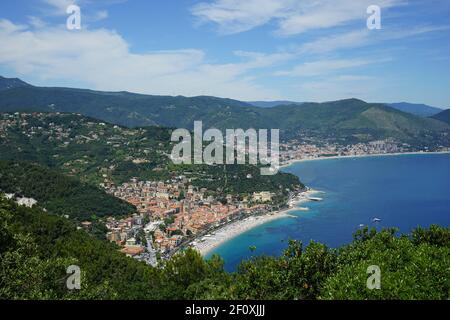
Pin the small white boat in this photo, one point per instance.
(376, 220)
(315, 199)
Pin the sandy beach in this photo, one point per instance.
(229, 231)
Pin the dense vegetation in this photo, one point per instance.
(443, 116)
(355, 118)
(96, 152)
(85, 147)
(58, 193)
(418, 109)
(340, 119)
(242, 180)
(36, 249)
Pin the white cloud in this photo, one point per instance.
(234, 16)
(339, 87)
(100, 15)
(89, 10)
(350, 77)
(317, 68)
(291, 16)
(101, 59)
(59, 7)
(336, 42)
(261, 60)
(414, 31)
(363, 37)
(36, 22)
(9, 27)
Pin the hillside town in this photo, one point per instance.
(171, 213)
(308, 149)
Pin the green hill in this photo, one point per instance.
(127, 109)
(83, 147)
(100, 153)
(351, 119)
(271, 104)
(355, 120)
(443, 116)
(418, 109)
(59, 194)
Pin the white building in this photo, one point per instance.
(263, 196)
(27, 202)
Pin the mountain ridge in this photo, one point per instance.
(10, 83)
(271, 104)
(443, 116)
(418, 109)
(343, 119)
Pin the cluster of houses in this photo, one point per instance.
(173, 210)
(298, 150)
(124, 232)
(21, 201)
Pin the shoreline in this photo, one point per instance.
(293, 161)
(236, 228)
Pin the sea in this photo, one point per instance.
(401, 191)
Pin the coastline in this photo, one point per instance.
(291, 162)
(236, 228)
(232, 230)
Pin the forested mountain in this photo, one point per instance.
(36, 249)
(59, 194)
(357, 120)
(271, 104)
(84, 147)
(100, 153)
(443, 116)
(418, 109)
(348, 119)
(125, 108)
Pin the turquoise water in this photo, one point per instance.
(404, 191)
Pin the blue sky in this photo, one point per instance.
(302, 50)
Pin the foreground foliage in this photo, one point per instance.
(36, 248)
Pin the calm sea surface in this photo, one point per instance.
(403, 191)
